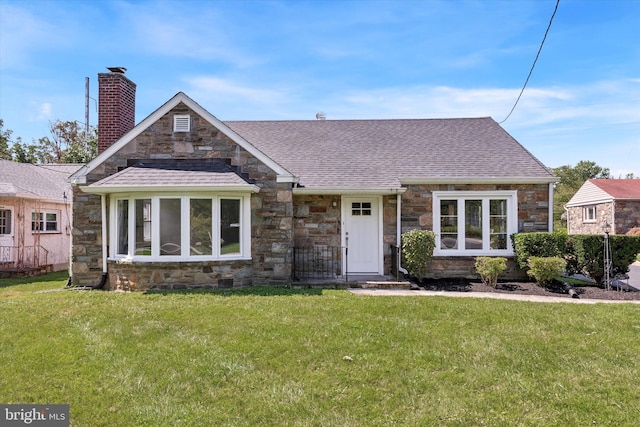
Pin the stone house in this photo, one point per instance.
(615, 202)
(35, 217)
(183, 199)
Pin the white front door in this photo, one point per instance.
(361, 235)
(6, 235)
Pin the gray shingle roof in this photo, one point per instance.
(381, 153)
(154, 177)
(35, 181)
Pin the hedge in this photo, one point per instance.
(584, 253)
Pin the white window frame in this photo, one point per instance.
(589, 214)
(42, 229)
(185, 244)
(6, 226)
(511, 198)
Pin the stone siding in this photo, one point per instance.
(417, 212)
(627, 215)
(271, 208)
(626, 212)
(577, 225)
(128, 276)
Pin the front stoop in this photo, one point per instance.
(383, 285)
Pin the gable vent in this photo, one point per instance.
(182, 123)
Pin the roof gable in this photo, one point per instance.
(605, 190)
(180, 97)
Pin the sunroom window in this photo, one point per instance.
(474, 223)
(169, 228)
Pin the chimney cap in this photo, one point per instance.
(118, 70)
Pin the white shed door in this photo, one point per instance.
(362, 235)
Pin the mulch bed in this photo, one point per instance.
(527, 288)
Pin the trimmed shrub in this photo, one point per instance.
(417, 251)
(527, 245)
(545, 269)
(589, 251)
(489, 268)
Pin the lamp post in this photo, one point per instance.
(606, 227)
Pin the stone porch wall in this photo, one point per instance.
(271, 208)
(127, 276)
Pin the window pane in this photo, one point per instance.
(37, 222)
(498, 224)
(51, 222)
(123, 227)
(143, 227)
(201, 221)
(229, 226)
(448, 224)
(5, 221)
(170, 227)
(473, 224)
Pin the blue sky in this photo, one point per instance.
(283, 60)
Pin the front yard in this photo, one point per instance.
(264, 356)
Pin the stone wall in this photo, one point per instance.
(128, 276)
(626, 212)
(577, 225)
(627, 215)
(417, 212)
(271, 207)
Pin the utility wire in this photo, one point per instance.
(534, 63)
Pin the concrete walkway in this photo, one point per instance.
(634, 280)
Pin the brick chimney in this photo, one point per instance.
(116, 106)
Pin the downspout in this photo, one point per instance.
(399, 233)
(550, 227)
(70, 225)
(103, 279)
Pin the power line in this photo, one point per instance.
(534, 63)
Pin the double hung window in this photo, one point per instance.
(474, 222)
(589, 214)
(176, 228)
(44, 222)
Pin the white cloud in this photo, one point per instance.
(215, 89)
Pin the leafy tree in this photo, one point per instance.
(69, 143)
(571, 179)
(5, 138)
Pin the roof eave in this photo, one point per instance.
(110, 189)
(479, 180)
(348, 190)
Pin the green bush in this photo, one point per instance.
(545, 269)
(489, 268)
(589, 252)
(417, 251)
(527, 245)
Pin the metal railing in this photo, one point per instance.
(317, 262)
(23, 257)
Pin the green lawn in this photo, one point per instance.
(276, 357)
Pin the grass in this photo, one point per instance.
(274, 356)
